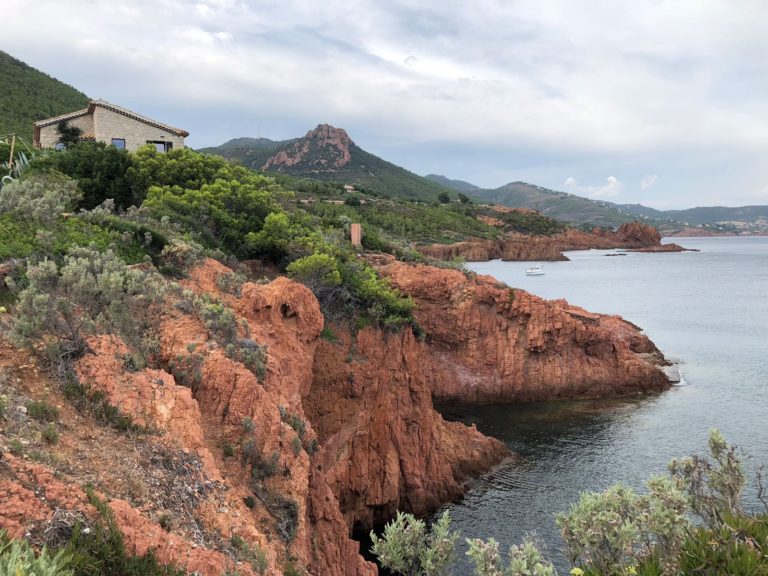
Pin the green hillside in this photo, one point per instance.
(29, 95)
(322, 155)
(250, 152)
(459, 185)
(703, 214)
(560, 205)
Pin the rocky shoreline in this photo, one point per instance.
(632, 236)
(342, 426)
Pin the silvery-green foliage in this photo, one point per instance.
(485, 557)
(17, 558)
(524, 560)
(714, 487)
(91, 292)
(611, 530)
(40, 198)
(407, 548)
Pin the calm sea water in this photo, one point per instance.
(707, 311)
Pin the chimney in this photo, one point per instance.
(356, 235)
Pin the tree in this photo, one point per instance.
(68, 135)
(443, 198)
(464, 199)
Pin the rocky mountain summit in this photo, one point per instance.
(323, 149)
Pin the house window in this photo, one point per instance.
(118, 143)
(161, 146)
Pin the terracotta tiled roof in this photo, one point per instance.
(57, 119)
(114, 108)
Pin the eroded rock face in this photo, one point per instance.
(370, 441)
(322, 149)
(383, 446)
(492, 343)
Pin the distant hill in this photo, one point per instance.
(28, 95)
(704, 214)
(328, 153)
(560, 205)
(459, 185)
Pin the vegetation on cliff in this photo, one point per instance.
(617, 532)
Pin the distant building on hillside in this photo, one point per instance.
(105, 122)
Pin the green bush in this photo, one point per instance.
(91, 292)
(42, 411)
(100, 170)
(51, 434)
(406, 548)
(40, 198)
(96, 404)
(524, 560)
(18, 558)
(101, 550)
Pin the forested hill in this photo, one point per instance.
(561, 205)
(328, 153)
(28, 95)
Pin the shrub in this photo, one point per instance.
(405, 547)
(254, 555)
(18, 558)
(230, 282)
(188, 370)
(95, 403)
(714, 486)
(101, 550)
(40, 198)
(296, 445)
(249, 353)
(228, 450)
(100, 171)
(50, 434)
(90, 292)
(610, 530)
(42, 411)
(524, 560)
(250, 501)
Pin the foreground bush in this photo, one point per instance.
(91, 292)
(620, 533)
(18, 558)
(40, 198)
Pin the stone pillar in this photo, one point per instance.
(356, 235)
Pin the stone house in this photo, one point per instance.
(105, 122)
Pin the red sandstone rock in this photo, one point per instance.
(492, 343)
(383, 446)
(332, 143)
(521, 247)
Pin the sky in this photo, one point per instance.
(663, 103)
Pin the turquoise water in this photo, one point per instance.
(707, 311)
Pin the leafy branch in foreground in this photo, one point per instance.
(617, 532)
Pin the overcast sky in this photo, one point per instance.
(659, 102)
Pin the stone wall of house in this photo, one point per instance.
(49, 135)
(109, 124)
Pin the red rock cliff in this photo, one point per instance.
(492, 343)
(520, 247)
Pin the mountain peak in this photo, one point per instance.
(322, 149)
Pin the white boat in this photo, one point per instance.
(537, 270)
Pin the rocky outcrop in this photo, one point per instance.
(335, 434)
(383, 447)
(492, 343)
(520, 247)
(322, 149)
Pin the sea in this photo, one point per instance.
(707, 311)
